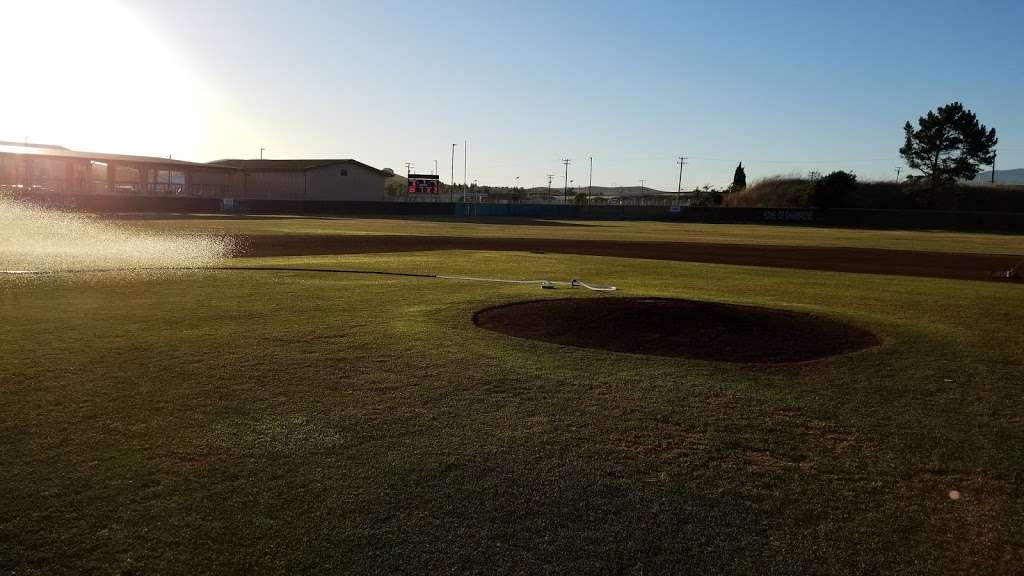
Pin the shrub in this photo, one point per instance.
(775, 192)
(842, 190)
(834, 190)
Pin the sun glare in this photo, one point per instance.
(93, 76)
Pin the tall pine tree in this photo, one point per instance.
(739, 178)
(949, 144)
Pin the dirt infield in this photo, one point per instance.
(863, 260)
(678, 328)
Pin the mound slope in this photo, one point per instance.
(678, 328)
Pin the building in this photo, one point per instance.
(42, 169)
(325, 179)
(47, 170)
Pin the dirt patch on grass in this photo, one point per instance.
(678, 328)
(864, 260)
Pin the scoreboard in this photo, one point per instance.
(424, 184)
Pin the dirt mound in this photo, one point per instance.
(678, 328)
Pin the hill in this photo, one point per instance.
(607, 190)
(1015, 176)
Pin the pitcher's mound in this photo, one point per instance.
(679, 328)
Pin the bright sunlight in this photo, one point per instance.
(94, 76)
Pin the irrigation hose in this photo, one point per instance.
(548, 284)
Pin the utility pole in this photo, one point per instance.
(898, 170)
(465, 161)
(408, 169)
(261, 153)
(590, 185)
(679, 187)
(642, 199)
(550, 176)
(435, 167)
(993, 167)
(565, 187)
(517, 183)
(451, 191)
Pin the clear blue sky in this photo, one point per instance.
(782, 86)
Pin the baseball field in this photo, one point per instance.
(751, 399)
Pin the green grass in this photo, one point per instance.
(254, 422)
(940, 241)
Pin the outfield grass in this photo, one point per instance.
(253, 422)
(939, 241)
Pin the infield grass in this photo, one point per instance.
(289, 422)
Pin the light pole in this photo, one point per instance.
(261, 153)
(517, 183)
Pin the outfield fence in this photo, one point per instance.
(899, 219)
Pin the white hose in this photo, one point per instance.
(574, 283)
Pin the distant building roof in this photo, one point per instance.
(34, 145)
(295, 165)
(61, 152)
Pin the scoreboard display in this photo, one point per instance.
(424, 184)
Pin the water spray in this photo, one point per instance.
(36, 241)
(33, 238)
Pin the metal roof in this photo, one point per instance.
(300, 165)
(59, 152)
(293, 165)
(34, 145)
